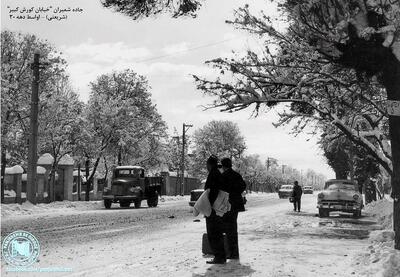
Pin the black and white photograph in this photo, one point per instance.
(200, 138)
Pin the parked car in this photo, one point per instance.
(285, 191)
(308, 190)
(196, 193)
(129, 184)
(340, 195)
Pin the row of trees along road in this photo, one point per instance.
(119, 124)
(335, 66)
(224, 139)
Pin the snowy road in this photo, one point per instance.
(166, 241)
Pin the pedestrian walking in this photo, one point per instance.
(214, 222)
(235, 186)
(296, 194)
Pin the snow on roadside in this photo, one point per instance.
(382, 210)
(175, 198)
(380, 259)
(28, 208)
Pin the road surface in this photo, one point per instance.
(166, 241)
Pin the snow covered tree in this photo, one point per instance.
(16, 79)
(337, 158)
(220, 138)
(315, 91)
(121, 121)
(60, 125)
(255, 173)
(349, 160)
(174, 152)
(138, 9)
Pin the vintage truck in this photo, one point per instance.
(129, 184)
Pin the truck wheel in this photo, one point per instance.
(124, 204)
(107, 204)
(153, 201)
(138, 203)
(357, 214)
(323, 213)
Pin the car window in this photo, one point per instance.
(341, 186)
(286, 187)
(127, 173)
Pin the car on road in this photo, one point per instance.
(342, 196)
(308, 190)
(285, 191)
(130, 185)
(196, 193)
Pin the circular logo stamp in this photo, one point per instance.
(20, 248)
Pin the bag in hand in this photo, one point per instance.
(291, 199)
(206, 248)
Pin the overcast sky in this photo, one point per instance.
(167, 51)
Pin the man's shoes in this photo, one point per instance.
(216, 261)
(233, 257)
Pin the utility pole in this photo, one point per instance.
(31, 187)
(178, 177)
(78, 183)
(87, 173)
(185, 128)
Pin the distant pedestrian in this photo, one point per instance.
(235, 186)
(214, 222)
(296, 194)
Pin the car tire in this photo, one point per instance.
(107, 204)
(323, 213)
(124, 204)
(138, 203)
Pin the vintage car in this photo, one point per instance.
(308, 190)
(129, 184)
(285, 191)
(340, 195)
(196, 193)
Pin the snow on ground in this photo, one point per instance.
(382, 210)
(274, 241)
(380, 259)
(27, 208)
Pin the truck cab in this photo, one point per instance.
(129, 184)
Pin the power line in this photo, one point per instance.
(187, 50)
